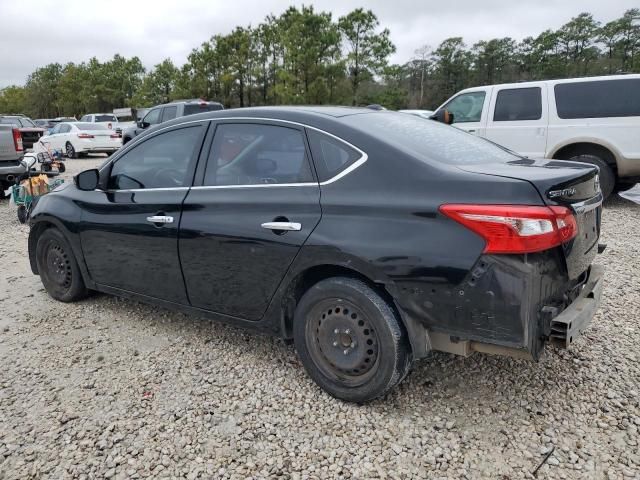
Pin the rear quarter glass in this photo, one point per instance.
(429, 140)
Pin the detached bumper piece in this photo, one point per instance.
(569, 324)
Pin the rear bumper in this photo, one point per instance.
(11, 171)
(569, 324)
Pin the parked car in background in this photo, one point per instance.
(11, 152)
(108, 119)
(54, 121)
(29, 131)
(591, 120)
(369, 237)
(163, 113)
(418, 113)
(76, 139)
(43, 123)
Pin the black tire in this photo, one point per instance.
(61, 167)
(623, 186)
(70, 150)
(125, 140)
(607, 177)
(58, 267)
(339, 315)
(23, 214)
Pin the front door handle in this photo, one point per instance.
(160, 219)
(282, 226)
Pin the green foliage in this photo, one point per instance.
(306, 57)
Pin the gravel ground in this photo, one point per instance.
(110, 388)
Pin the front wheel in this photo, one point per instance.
(61, 167)
(350, 340)
(58, 267)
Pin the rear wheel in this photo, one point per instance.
(70, 150)
(350, 340)
(58, 268)
(607, 177)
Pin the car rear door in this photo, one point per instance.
(518, 119)
(129, 230)
(255, 203)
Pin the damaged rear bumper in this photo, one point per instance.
(571, 322)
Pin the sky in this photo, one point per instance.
(39, 32)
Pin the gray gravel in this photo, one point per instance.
(110, 388)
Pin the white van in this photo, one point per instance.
(594, 120)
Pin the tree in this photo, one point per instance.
(13, 99)
(367, 51)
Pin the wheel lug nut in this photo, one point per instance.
(346, 352)
(336, 331)
(347, 331)
(335, 344)
(353, 344)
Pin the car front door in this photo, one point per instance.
(256, 204)
(129, 230)
(469, 111)
(519, 119)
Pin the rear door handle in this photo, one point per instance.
(160, 219)
(283, 226)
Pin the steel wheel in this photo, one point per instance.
(342, 342)
(58, 266)
(71, 152)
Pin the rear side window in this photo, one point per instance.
(330, 155)
(193, 108)
(252, 154)
(517, 104)
(159, 162)
(169, 113)
(604, 98)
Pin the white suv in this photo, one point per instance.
(593, 120)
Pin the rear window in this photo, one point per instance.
(603, 98)
(517, 104)
(106, 118)
(430, 140)
(90, 126)
(193, 108)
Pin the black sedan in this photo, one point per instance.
(368, 237)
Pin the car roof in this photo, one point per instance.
(553, 82)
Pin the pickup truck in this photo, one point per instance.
(11, 153)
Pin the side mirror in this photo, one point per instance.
(142, 124)
(87, 180)
(443, 116)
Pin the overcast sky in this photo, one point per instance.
(38, 32)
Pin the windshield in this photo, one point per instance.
(429, 140)
(89, 126)
(106, 118)
(26, 122)
(10, 121)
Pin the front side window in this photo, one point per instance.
(153, 117)
(466, 107)
(252, 154)
(330, 155)
(600, 99)
(159, 162)
(517, 104)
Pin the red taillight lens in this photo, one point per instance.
(115, 135)
(17, 140)
(516, 228)
(85, 135)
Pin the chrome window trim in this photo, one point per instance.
(361, 161)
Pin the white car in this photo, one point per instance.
(79, 138)
(108, 119)
(418, 113)
(593, 120)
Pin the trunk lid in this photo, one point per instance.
(570, 184)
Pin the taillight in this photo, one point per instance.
(85, 135)
(17, 140)
(516, 228)
(115, 135)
